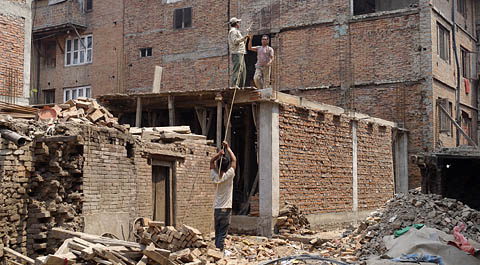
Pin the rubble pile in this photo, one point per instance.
(402, 211)
(167, 237)
(291, 219)
(85, 110)
(82, 248)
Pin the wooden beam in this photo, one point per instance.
(219, 99)
(470, 141)
(171, 110)
(248, 96)
(157, 79)
(202, 119)
(138, 117)
(19, 255)
(60, 233)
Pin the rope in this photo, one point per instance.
(216, 187)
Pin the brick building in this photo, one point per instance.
(15, 50)
(78, 49)
(393, 60)
(390, 59)
(334, 165)
(97, 180)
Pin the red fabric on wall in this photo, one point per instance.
(467, 86)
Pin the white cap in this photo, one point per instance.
(234, 20)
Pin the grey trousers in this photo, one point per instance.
(222, 222)
(239, 72)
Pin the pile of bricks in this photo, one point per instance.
(55, 190)
(167, 237)
(86, 111)
(290, 219)
(13, 194)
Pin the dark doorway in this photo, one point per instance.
(460, 180)
(244, 144)
(251, 58)
(162, 194)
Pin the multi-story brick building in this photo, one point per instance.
(394, 60)
(15, 50)
(389, 59)
(78, 48)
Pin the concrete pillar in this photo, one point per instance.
(269, 185)
(138, 117)
(354, 170)
(401, 162)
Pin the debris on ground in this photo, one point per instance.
(292, 220)
(402, 211)
(160, 244)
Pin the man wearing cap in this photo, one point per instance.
(237, 48)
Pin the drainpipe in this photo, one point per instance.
(454, 29)
(13, 137)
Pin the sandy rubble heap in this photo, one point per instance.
(402, 211)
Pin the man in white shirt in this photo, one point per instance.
(264, 62)
(223, 192)
(236, 43)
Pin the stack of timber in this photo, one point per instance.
(169, 134)
(17, 111)
(82, 248)
(290, 219)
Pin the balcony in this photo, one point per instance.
(58, 18)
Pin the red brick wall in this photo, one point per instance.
(194, 189)
(12, 32)
(197, 55)
(316, 162)
(375, 165)
(390, 102)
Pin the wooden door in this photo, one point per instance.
(161, 193)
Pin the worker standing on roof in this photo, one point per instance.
(264, 62)
(223, 192)
(236, 43)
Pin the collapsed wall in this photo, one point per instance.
(92, 179)
(317, 158)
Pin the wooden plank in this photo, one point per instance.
(202, 119)
(184, 129)
(143, 261)
(470, 141)
(96, 115)
(83, 242)
(157, 79)
(150, 252)
(19, 255)
(60, 233)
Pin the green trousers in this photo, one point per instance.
(239, 73)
